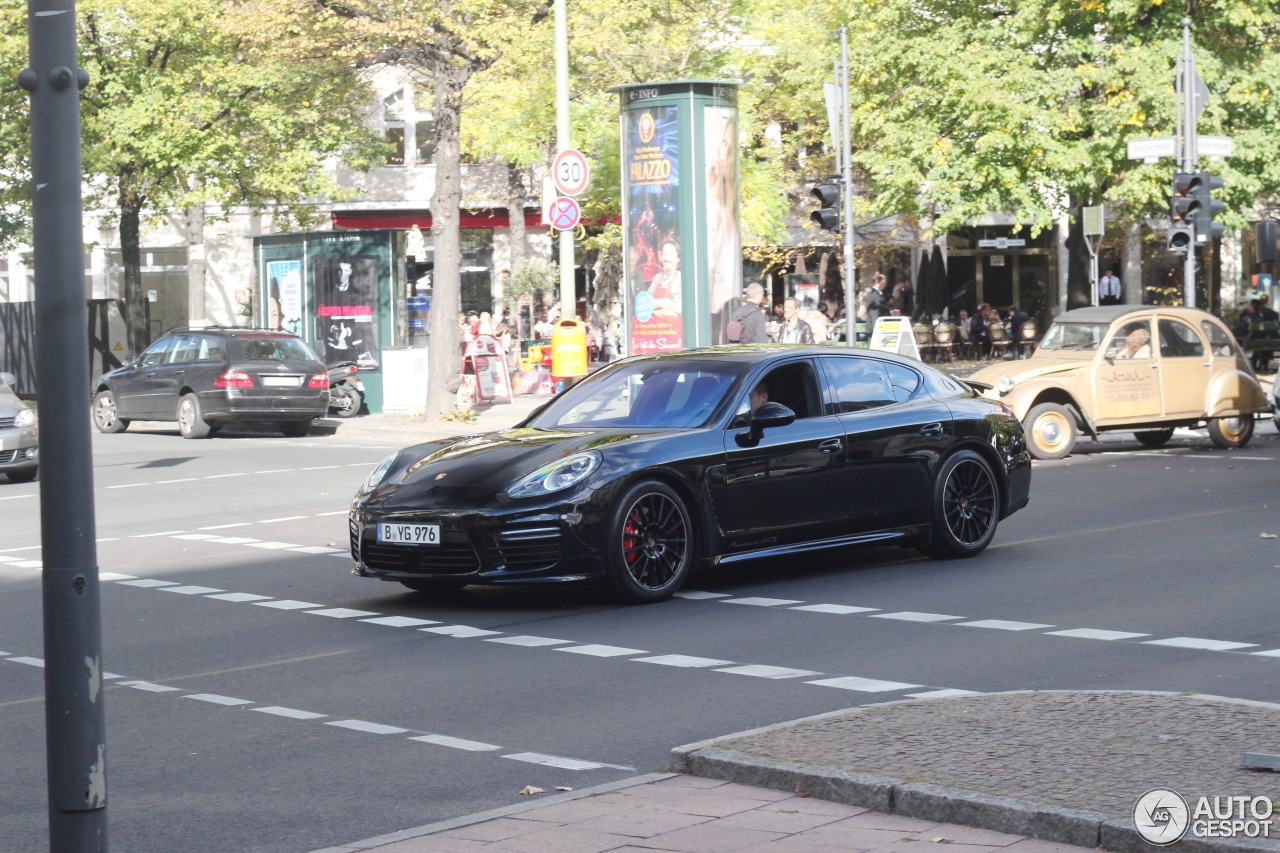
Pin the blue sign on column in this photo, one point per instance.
(418, 303)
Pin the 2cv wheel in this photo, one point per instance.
(1051, 431)
(1230, 433)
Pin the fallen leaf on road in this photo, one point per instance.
(940, 840)
(529, 789)
(801, 794)
(1231, 467)
(1266, 536)
(563, 788)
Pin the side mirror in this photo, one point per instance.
(1110, 354)
(768, 416)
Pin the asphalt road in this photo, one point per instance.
(244, 720)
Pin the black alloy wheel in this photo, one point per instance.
(106, 416)
(966, 507)
(652, 544)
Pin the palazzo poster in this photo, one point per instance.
(346, 315)
(654, 286)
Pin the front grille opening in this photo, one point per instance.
(449, 558)
(528, 550)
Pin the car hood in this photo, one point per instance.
(9, 402)
(469, 471)
(1031, 368)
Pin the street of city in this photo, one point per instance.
(262, 698)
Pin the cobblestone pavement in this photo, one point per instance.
(1094, 751)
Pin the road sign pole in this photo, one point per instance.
(563, 141)
(1187, 84)
(75, 727)
(850, 271)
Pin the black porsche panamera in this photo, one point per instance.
(657, 464)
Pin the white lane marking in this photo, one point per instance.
(554, 761)
(292, 713)
(225, 526)
(5, 654)
(29, 661)
(1231, 458)
(275, 471)
(371, 728)
(27, 564)
(274, 546)
(240, 596)
(834, 608)
(687, 661)
(7, 559)
(1253, 458)
(15, 497)
(914, 616)
(695, 595)
(864, 685)
(221, 476)
(182, 480)
(460, 631)
(150, 535)
(286, 518)
(319, 467)
(456, 743)
(1095, 634)
(191, 590)
(111, 676)
(600, 651)
(942, 694)
(196, 537)
(108, 539)
(1270, 653)
(339, 512)
(233, 540)
(287, 604)
(146, 582)
(1198, 643)
(23, 548)
(341, 613)
(400, 621)
(318, 549)
(761, 671)
(215, 699)
(528, 641)
(127, 486)
(1003, 625)
(760, 602)
(149, 687)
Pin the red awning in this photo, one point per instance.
(404, 219)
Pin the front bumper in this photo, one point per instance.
(19, 449)
(542, 544)
(234, 406)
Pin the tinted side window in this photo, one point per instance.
(184, 351)
(1178, 340)
(210, 349)
(903, 380)
(858, 383)
(155, 353)
(793, 384)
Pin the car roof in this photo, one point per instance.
(1111, 313)
(231, 330)
(756, 353)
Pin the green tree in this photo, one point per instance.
(189, 102)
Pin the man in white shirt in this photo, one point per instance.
(1109, 290)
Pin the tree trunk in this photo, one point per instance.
(444, 356)
(195, 265)
(516, 236)
(1132, 272)
(1079, 294)
(135, 300)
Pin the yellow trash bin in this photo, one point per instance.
(569, 349)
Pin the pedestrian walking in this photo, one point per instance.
(747, 324)
(794, 329)
(876, 301)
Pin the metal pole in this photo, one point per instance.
(846, 176)
(75, 729)
(1188, 154)
(563, 141)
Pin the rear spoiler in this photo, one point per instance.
(976, 386)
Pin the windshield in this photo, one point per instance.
(270, 348)
(670, 394)
(1079, 337)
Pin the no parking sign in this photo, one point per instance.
(565, 214)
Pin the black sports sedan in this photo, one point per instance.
(660, 463)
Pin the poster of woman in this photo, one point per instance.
(724, 239)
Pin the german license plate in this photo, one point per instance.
(409, 534)
(281, 381)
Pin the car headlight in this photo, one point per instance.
(556, 476)
(378, 473)
(25, 418)
(1005, 385)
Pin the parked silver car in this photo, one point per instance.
(19, 444)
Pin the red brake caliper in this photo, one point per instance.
(631, 538)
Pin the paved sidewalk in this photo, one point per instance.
(1035, 772)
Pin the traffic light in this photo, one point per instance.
(415, 269)
(1182, 231)
(1264, 241)
(828, 214)
(1205, 207)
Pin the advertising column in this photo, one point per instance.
(681, 237)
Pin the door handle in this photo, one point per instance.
(931, 430)
(831, 445)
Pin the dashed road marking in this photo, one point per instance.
(840, 609)
(460, 631)
(1004, 625)
(28, 661)
(555, 761)
(698, 595)
(760, 602)
(191, 590)
(761, 671)
(292, 713)
(527, 641)
(227, 526)
(457, 743)
(162, 533)
(371, 728)
(215, 699)
(147, 582)
(149, 687)
(863, 685)
(942, 694)
(400, 621)
(687, 661)
(341, 613)
(914, 616)
(1096, 634)
(1198, 643)
(599, 651)
(240, 596)
(288, 604)
(286, 518)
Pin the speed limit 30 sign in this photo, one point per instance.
(570, 171)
